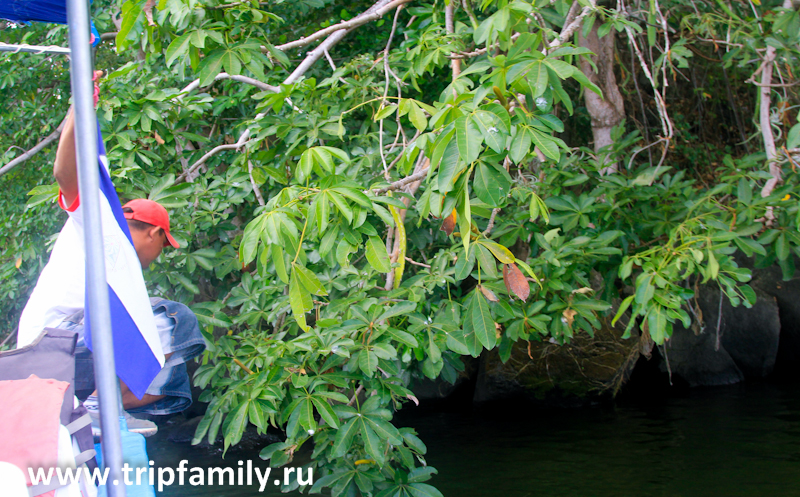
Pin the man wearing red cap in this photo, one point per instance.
(58, 299)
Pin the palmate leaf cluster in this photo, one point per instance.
(316, 322)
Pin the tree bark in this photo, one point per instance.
(606, 111)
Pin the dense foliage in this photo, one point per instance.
(363, 214)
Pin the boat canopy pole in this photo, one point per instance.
(96, 285)
(37, 49)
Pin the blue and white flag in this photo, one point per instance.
(137, 348)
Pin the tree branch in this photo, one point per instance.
(256, 189)
(403, 182)
(35, 150)
(214, 151)
(301, 69)
(765, 91)
(380, 9)
(242, 79)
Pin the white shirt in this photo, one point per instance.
(60, 290)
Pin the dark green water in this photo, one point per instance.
(742, 440)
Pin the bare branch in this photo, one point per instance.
(766, 125)
(455, 63)
(234, 4)
(256, 190)
(380, 9)
(242, 79)
(565, 35)
(301, 69)
(403, 182)
(214, 151)
(411, 261)
(35, 150)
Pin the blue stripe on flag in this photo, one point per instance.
(135, 362)
(136, 365)
(107, 187)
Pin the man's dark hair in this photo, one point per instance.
(136, 224)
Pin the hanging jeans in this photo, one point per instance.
(182, 337)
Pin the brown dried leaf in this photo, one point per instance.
(490, 295)
(158, 138)
(569, 316)
(449, 223)
(583, 291)
(515, 282)
(148, 11)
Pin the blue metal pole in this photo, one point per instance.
(96, 285)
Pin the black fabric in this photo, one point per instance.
(51, 355)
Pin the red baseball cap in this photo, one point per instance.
(150, 212)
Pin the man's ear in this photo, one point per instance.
(153, 232)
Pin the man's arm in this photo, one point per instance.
(65, 168)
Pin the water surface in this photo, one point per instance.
(742, 440)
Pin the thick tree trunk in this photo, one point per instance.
(606, 111)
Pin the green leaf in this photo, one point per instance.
(372, 443)
(468, 139)
(131, 12)
(782, 247)
(520, 146)
(368, 362)
(280, 263)
(713, 266)
(449, 167)
(385, 112)
(210, 67)
(400, 308)
(417, 117)
(482, 321)
(489, 185)
(377, 256)
(545, 143)
(298, 298)
(309, 280)
(326, 412)
(384, 430)
(492, 129)
(500, 252)
(622, 308)
(235, 423)
(341, 205)
(178, 47)
(439, 150)
(344, 437)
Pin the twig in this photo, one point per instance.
(214, 151)
(256, 190)
(403, 182)
(766, 125)
(242, 79)
(35, 150)
(373, 14)
(386, 72)
(410, 261)
(490, 227)
(8, 337)
(241, 365)
(355, 395)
